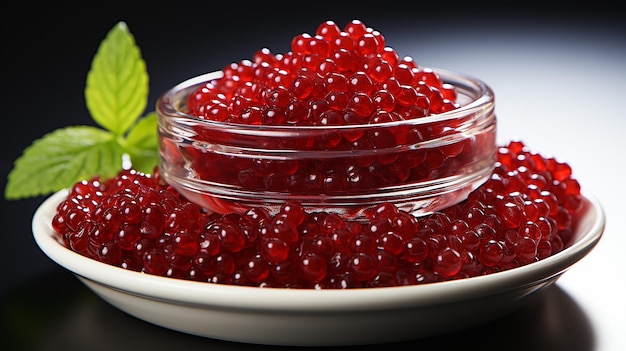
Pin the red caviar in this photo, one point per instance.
(523, 213)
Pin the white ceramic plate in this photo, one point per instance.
(302, 317)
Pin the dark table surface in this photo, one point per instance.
(557, 75)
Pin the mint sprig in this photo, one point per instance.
(116, 94)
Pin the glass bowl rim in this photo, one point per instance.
(166, 108)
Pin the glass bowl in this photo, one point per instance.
(309, 317)
(421, 165)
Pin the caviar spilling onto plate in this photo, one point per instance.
(525, 212)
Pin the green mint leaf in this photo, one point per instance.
(116, 92)
(61, 158)
(141, 143)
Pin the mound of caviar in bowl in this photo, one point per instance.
(334, 77)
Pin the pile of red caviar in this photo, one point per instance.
(525, 212)
(339, 76)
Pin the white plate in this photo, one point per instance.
(303, 317)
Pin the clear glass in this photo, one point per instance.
(420, 165)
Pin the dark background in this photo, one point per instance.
(47, 52)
